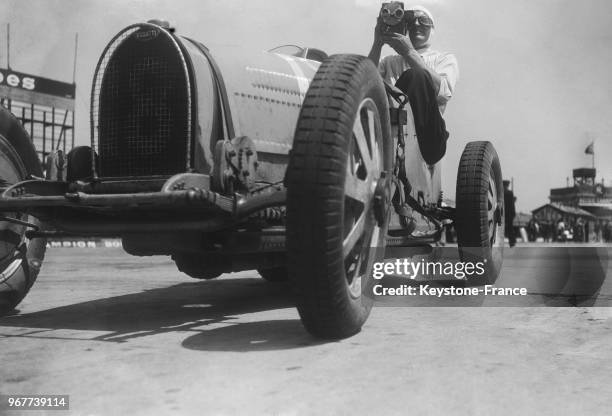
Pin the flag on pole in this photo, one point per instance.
(590, 150)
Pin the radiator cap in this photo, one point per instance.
(162, 23)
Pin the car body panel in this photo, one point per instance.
(265, 91)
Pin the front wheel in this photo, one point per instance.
(20, 257)
(337, 208)
(480, 211)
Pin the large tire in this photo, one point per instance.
(342, 144)
(20, 258)
(480, 210)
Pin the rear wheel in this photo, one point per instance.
(480, 210)
(20, 257)
(337, 195)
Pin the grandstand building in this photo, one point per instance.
(587, 203)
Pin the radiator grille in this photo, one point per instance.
(143, 106)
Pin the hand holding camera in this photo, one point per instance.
(399, 43)
(392, 27)
(392, 16)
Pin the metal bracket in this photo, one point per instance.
(398, 116)
(20, 222)
(235, 165)
(397, 94)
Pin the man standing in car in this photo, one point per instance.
(510, 213)
(426, 76)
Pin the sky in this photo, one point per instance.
(534, 75)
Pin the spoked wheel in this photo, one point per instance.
(364, 170)
(494, 213)
(20, 257)
(480, 210)
(338, 195)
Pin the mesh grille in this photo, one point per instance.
(141, 105)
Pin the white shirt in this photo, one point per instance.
(444, 64)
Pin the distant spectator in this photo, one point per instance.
(607, 232)
(546, 228)
(510, 213)
(561, 230)
(578, 231)
(533, 230)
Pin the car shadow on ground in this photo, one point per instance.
(211, 313)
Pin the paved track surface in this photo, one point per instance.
(132, 336)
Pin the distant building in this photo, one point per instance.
(521, 220)
(44, 106)
(585, 208)
(586, 194)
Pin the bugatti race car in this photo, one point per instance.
(301, 166)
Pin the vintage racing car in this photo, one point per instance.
(287, 161)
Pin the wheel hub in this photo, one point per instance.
(382, 198)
